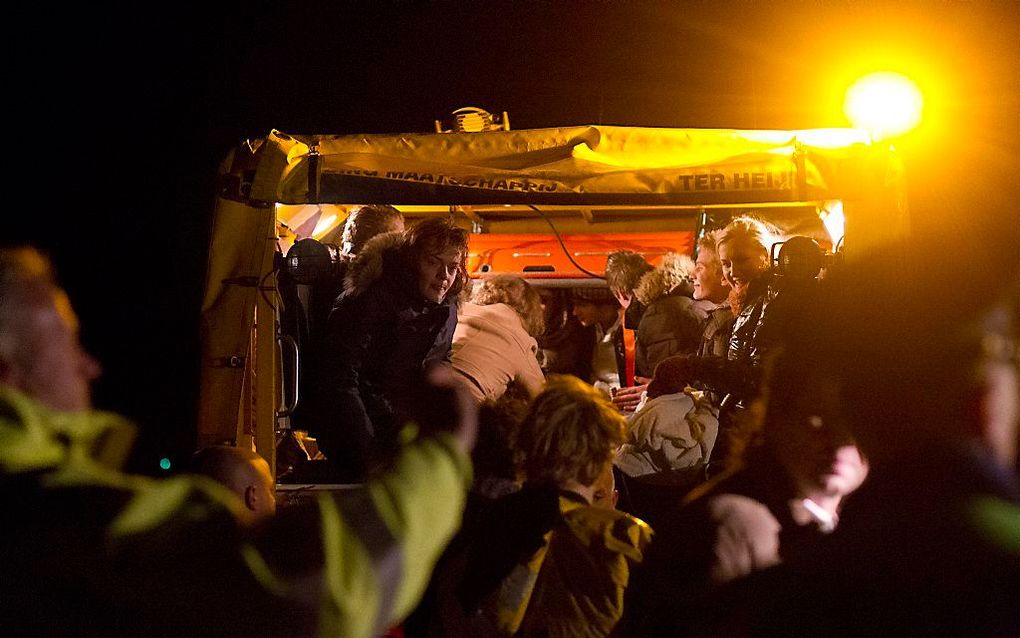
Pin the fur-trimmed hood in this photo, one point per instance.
(378, 254)
(674, 275)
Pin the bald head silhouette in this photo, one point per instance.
(244, 473)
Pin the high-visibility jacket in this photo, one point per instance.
(87, 549)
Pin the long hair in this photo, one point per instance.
(516, 293)
(749, 229)
(755, 233)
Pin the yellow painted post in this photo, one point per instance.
(267, 367)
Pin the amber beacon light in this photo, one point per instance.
(885, 104)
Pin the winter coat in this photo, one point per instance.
(715, 340)
(672, 322)
(774, 313)
(381, 335)
(491, 348)
(671, 432)
(562, 565)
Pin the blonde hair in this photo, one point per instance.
(674, 274)
(749, 229)
(708, 242)
(516, 293)
(570, 433)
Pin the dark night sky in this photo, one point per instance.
(123, 117)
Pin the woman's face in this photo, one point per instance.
(437, 271)
(743, 261)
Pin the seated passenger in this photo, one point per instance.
(563, 344)
(710, 285)
(305, 311)
(244, 473)
(494, 343)
(397, 316)
(769, 310)
(362, 224)
(743, 250)
(546, 561)
(671, 321)
(604, 355)
(671, 432)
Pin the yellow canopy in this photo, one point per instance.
(583, 165)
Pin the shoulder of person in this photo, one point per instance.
(369, 266)
(613, 530)
(742, 516)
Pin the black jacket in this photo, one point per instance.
(379, 338)
(775, 313)
(671, 324)
(585, 370)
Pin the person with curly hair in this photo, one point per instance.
(495, 341)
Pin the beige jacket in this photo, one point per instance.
(491, 349)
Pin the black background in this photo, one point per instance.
(119, 115)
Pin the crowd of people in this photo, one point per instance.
(713, 447)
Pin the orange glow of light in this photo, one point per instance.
(325, 225)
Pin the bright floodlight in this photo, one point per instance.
(886, 104)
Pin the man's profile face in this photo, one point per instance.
(708, 278)
(60, 372)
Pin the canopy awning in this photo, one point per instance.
(584, 165)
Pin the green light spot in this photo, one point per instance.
(164, 463)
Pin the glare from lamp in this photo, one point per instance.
(885, 104)
(831, 214)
